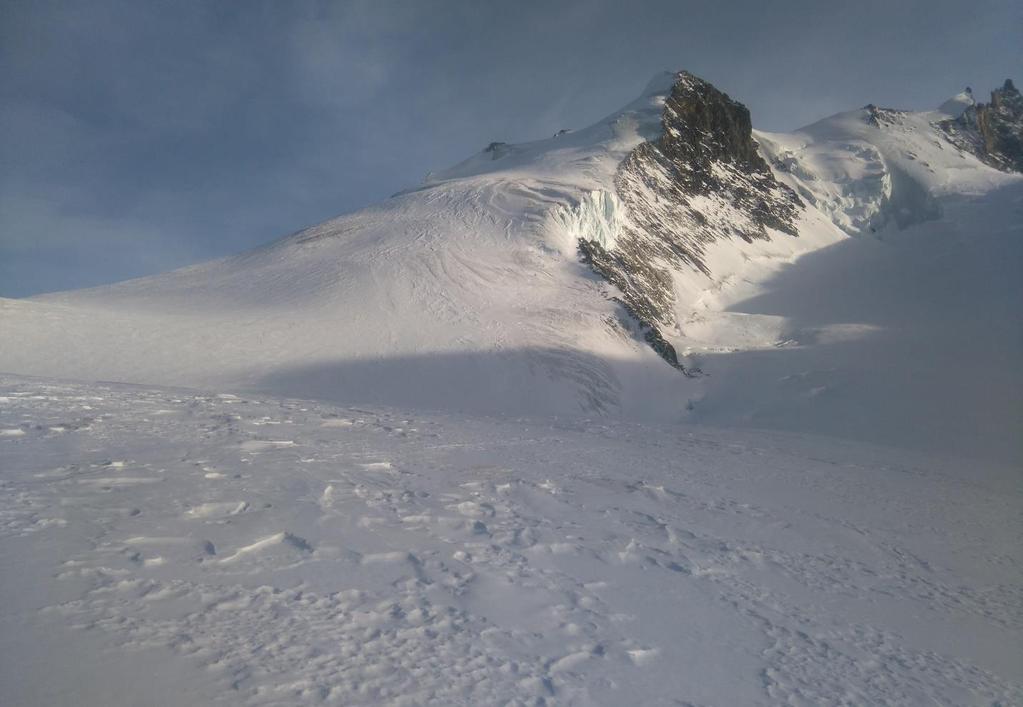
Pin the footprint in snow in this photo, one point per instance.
(216, 511)
(255, 446)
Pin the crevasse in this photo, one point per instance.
(597, 217)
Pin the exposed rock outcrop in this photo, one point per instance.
(496, 150)
(702, 180)
(992, 131)
(881, 117)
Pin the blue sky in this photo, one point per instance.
(136, 137)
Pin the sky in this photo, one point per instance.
(137, 137)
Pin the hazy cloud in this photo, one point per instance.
(135, 137)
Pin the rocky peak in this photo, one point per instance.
(706, 147)
(992, 131)
(703, 125)
(1006, 105)
(701, 180)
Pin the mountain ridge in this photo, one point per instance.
(991, 131)
(557, 277)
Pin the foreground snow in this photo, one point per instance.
(168, 547)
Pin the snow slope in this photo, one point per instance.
(906, 333)
(170, 547)
(460, 294)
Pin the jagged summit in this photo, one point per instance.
(701, 181)
(703, 124)
(991, 131)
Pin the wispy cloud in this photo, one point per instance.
(164, 132)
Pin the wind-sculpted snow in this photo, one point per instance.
(171, 547)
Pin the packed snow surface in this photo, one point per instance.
(167, 547)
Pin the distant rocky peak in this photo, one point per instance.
(881, 117)
(1007, 98)
(991, 131)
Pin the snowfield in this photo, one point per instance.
(426, 453)
(213, 549)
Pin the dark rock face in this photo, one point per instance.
(992, 131)
(881, 117)
(706, 149)
(497, 150)
(702, 180)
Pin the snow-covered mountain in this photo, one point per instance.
(667, 262)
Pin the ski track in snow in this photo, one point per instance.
(289, 552)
